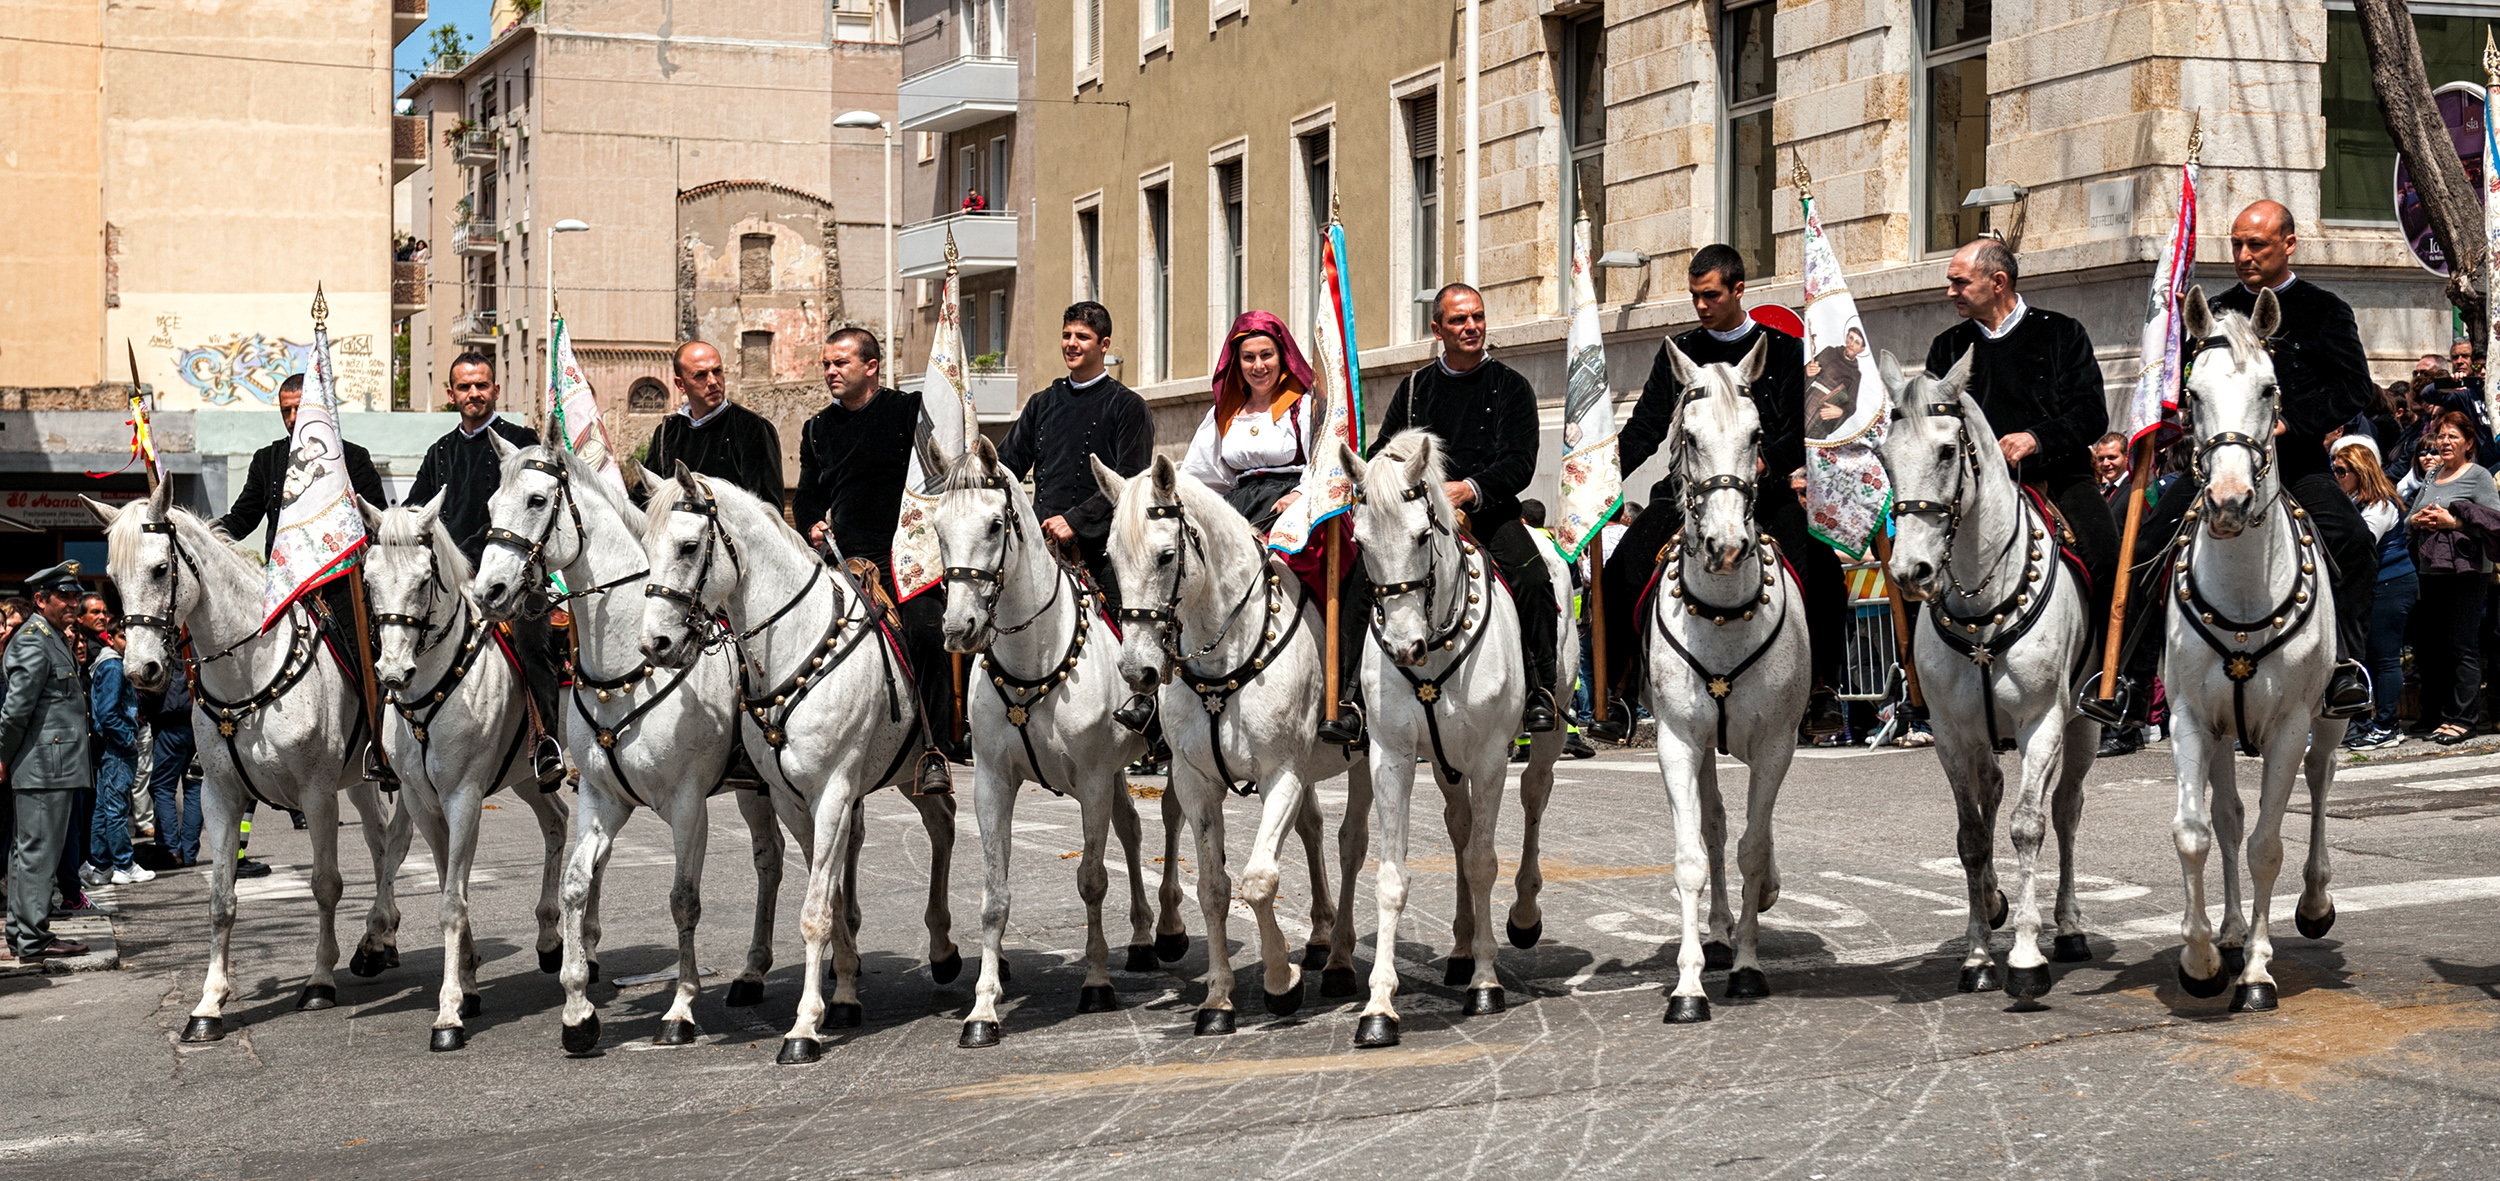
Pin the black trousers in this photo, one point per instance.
(2446, 625)
(2096, 541)
(1515, 553)
(1635, 560)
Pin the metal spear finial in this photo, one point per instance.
(952, 255)
(2491, 57)
(320, 309)
(2196, 137)
(1803, 179)
(1333, 205)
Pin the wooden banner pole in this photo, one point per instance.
(1900, 622)
(1603, 688)
(2126, 568)
(1333, 555)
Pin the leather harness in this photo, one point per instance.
(1468, 611)
(1023, 695)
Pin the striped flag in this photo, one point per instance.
(1327, 488)
(2154, 403)
(1592, 477)
(1847, 490)
(948, 423)
(320, 532)
(2491, 222)
(574, 410)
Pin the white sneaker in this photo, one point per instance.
(136, 873)
(90, 874)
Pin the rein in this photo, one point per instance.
(1466, 612)
(1215, 692)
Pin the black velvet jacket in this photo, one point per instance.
(851, 470)
(1486, 418)
(2319, 365)
(736, 444)
(265, 486)
(1778, 396)
(2039, 378)
(466, 465)
(1063, 425)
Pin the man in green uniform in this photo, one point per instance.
(43, 751)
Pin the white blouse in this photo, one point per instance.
(1255, 444)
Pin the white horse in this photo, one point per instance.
(1045, 717)
(1445, 681)
(638, 736)
(1999, 648)
(1723, 611)
(455, 732)
(1236, 650)
(2248, 657)
(279, 721)
(799, 627)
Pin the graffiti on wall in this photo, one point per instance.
(226, 368)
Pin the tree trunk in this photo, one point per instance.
(2404, 99)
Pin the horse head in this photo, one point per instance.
(1715, 450)
(148, 568)
(1409, 534)
(412, 573)
(1935, 451)
(2230, 408)
(694, 568)
(1159, 554)
(980, 519)
(529, 531)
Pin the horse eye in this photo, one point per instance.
(159, 571)
(685, 549)
(997, 523)
(1423, 537)
(538, 500)
(1164, 558)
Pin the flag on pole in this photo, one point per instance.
(1847, 491)
(320, 532)
(2491, 225)
(1592, 478)
(574, 410)
(948, 422)
(2154, 403)
(1327, 488)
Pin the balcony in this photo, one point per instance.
(962, 92)
(474, 327)
(993, 393)
(407, 289)
(406, 16)
(407, 145)
(984, 242)
(474, 148)
(477, 237)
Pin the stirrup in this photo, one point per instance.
(1138, 714)
(1824, 715)
(1345, 729)
(547, 760)
(2349, 709)
(380, 772)
(936, 777)
(1539, 698)
(2111, 711)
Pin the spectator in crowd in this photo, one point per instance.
(2454, 517)
(43, 749)
(176, 793)
(2430, 366)
(2357, 472)
(2461, 363)
(113, 707)
(14, 610)
(2110, 467)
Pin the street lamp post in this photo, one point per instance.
(863, 120)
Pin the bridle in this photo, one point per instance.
(1167, 617)
(995, 575)
(165, 625)
(533, 550)
(716, 542)
(1966, 462)
(1438, 635)
(2202, 455)
(426, 628)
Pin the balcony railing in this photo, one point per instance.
(478, 237)
(993, 392)
(407, 288)
(474, 148)
(475, 326)
(984, 242)
(406, 17)
(408, 145)
(957, 94)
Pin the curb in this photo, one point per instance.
(93, 927)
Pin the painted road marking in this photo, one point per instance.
(2355, 900)
(1911, 891)
(2399, 770)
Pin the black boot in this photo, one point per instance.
(1823, 715)
(1346, 729)
(2348, 694)
(1617, 726)
(2121, 740)
(935, 776)
(547, 761)
(1538, 718)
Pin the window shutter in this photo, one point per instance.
(1230, 175)
(1423, 126)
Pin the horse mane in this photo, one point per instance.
(967, 473)
(399, 527)
(1403, 448)
(1128, 521)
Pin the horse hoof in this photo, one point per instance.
(204, 1029)
(390, 955)
(317, 996)
(367, 964)
(1336, 982)
(1524, 938)
(1717, 957)
(2234, 961)
(1687, 1010)
(745, 993)
(549, 961)
(1214, 1022)
(2202, 988)
(841, 1016)
(978, 1035)
(471, 1005)
(447, 1039)
(1141, 958)
(2071, 949)
(1459, 972)
(2027, 983)
(1314, 955)
(1482, 1002)
(1374, 1031)
(675, 1033)
(583, 1038)
(1097, 998)
(594, 971)
(1171, 947)
(2315, 928)
(1284, 1003)
(2253, 998)
(1980, 979)
(799, 1051)
(1997, 912)
(1748, 984)
(946, 970)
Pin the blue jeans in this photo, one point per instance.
(108, 838)
(2387, 643)
(177, 825)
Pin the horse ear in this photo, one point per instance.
(432, 511)
(1679, 364)
(685, 479)
(1956, 379)
(105, 514)
(1352, 463)
(1167, 477)
(1888, 367)
(987, 453)
(504, 450)
(2199, 315)
(1111, 482)
(2269, 317)
(160, 500)
(1757, 357)
(372, 515)
(1421, 461)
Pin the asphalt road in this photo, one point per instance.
(1866, 1062)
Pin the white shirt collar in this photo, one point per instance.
(466, 433)
(1731, 337)
(1089, 383)
(687, 412)
(1444, 363)
(2289, 278)
(2011, 318)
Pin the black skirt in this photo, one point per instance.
(1255, 496)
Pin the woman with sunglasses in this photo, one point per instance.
(2454, 517)
(2357, 471)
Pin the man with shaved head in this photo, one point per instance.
(2325, 380)
(714, 436)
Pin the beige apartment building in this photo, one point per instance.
(696, 142)
(1189, 142)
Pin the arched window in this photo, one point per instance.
(647, 396)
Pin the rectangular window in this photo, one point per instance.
(2360, 175)
(1158, 16)
(1088, 38)
(1584, 142)
(998, 173)
(1749, 81)
(755, 357)
(1159, 243)
(1423, 147)
(1317, 190)
(967, 171)
(1089, 244)
(998, 321)
(755, 262)
(969, 321)
(1229, 195)
(1956, 131)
